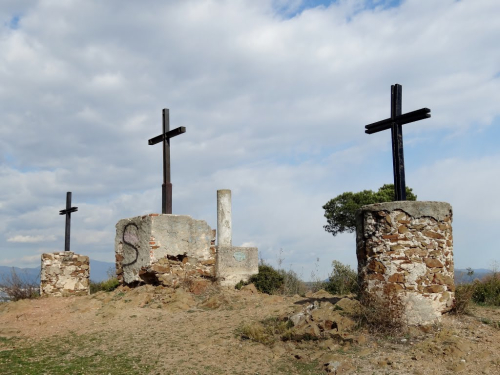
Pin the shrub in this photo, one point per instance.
(107, 285)
(463, 299)
(291, 283)
(268, 280)
(487, 291)
(272, 281)
(19, 287)
(240, 285)
(342, 280)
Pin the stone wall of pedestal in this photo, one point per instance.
(64, 273)
(164, 250)
(406, 249)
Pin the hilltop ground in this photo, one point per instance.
(150, 330)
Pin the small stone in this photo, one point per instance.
(388, 219)
(389, 289)
(396, 247)
(390, 236)
(400, 216)
(332, 367)
(208, 262)
(434, 289)
(297, 319)
(432, 234)
(433, 263)
(377, 267)
(403, 229)
(160, 268)
(310, 331)
(250, 288)
(375, 276)
(396, 278)
(198, 286)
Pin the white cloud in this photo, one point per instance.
(31, 239)
(26, 261)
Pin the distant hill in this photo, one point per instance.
(27, 274)
(98, 271)
(461, 276)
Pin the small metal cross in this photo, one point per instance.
(165, 137)
(395, 123)
(68, 212)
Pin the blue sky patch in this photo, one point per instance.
(14, 22)
(291, 10)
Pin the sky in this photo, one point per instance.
(274, 95)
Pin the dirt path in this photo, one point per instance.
(160, 331)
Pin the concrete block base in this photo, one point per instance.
(164, 249)
(235, 264)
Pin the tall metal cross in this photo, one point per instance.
(166, 203)
(68, 212)
(395, 123)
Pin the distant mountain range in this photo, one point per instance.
(98, 271)
(461, 276)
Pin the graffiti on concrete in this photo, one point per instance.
(131, 238)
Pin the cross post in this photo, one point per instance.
(395, 123)
(68, 212)
(165, 138)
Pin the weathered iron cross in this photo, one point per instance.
(395, 123)
(68, 212)
(165, 137)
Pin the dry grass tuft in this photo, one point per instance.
(266, 332)
(382, 315)
(19, 287)
(463, 299)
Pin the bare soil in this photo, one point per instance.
(174, 332)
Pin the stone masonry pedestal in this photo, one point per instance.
(64, 273)
(406, 249)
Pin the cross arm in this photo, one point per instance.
(419, 114)
(72, 209)
(169, 134)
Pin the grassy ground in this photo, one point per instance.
(65, 355)
(75, 355)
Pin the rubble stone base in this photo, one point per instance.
(406, 249)
(64, 273)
